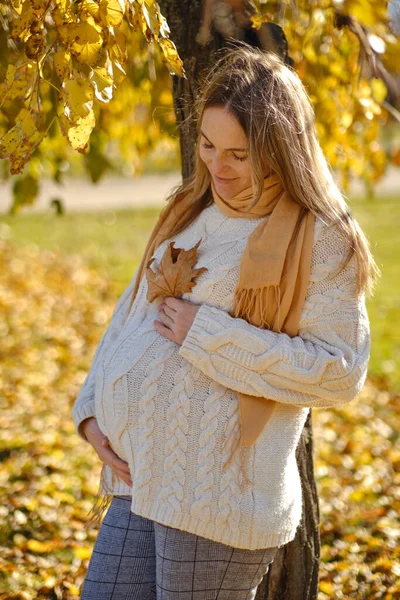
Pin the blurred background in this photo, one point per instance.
(91, 147)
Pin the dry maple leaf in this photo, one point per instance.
(175, 275)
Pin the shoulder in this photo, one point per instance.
(325, 226)
(329, 237)
(331, 249)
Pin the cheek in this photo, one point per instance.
(243, 168)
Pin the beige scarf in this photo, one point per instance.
(273, 279)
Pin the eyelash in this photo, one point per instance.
(241, 158)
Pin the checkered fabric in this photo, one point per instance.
(135, 558)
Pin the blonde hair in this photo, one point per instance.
(271, 104)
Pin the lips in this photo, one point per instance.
(223, 180)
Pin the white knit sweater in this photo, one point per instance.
(164, 406)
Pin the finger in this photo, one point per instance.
(123, 476)
(171, 312)
(164, 330)
(120, 464)
(164, 316)
(172, 302)
(108, 456)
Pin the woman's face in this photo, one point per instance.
(224, 150)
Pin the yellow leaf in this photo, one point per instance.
(103, 83)
(20, 26)
(72, 588)
(79, 132)
(40, 547)
(173, 62)
(24, 128)
(22, 155)
(83, 39)
(379, 90)
(78, 96)
(118, 56)
(17, 5)
(90, 7)
(82, 552)
(62, 15)
(18, 82)
(62, 63)
(326, 587)
(112, 12)
(10, 75)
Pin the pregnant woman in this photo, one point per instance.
(195, 404)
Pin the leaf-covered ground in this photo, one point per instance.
(53, 310)
(54, 306)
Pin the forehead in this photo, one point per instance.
(222, 128)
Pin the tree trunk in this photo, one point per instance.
(294, 572)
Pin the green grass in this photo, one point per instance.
(379, 219)
(113, 242)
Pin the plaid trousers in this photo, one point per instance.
(135, 558)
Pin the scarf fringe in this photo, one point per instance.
(249, 302)
(101, 503)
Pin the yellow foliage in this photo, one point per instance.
(93, 41)
(20, 26)
(83, 45)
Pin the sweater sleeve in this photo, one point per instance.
(324, 365)
(84, 406)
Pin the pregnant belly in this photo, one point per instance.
(125, 397)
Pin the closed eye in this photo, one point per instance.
(241, 158)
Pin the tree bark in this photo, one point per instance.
(294, 572)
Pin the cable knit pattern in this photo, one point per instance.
(177, 436)
(166, 408)
(229, 497)
(206, 459)
(147, 407)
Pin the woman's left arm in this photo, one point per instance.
(324, 365)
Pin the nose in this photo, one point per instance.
(217, 165)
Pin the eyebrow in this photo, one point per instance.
(238, 149)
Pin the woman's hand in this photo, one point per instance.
(100, 443)
(176, 318)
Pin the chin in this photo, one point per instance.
(227, 191)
